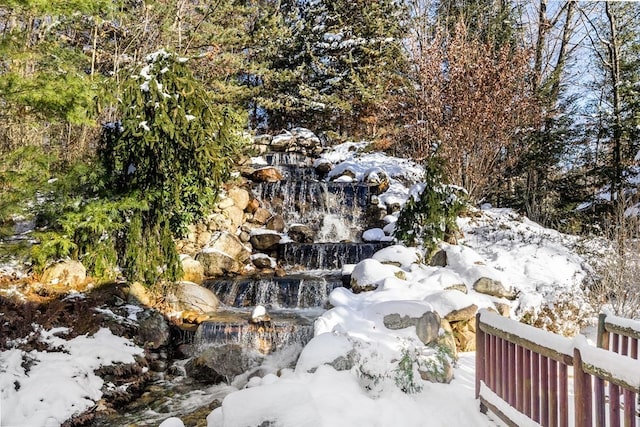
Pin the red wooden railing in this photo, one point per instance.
(523, 375)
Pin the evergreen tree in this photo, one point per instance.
(173, 148)
(338, 60)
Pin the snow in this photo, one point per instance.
(57, 384)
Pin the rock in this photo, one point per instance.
(218, 222)
(252, 206)
(275, 223)
(461, 287)
(66, 273)
(345, 173)
(139, 295)
(264, 240)
(503, 308)
(282, 142)
(305, 137)
(439, 259)
(153, 329)
(259, 315)
(203, 238)
(224, 254)
(440, 371)
(192, 270)
(235, 216)
(427, 326)
(216, 364)
(261, 216)
(217, 263)
(446, 339)
(378, 179)
(369, 273)
(323, 167)
(188, 296)
(262, 261)
(264, 139)
(240, 197)
(464, 334)
(267, 174)
(224, 203)
(373, 235)
(485, 285)
(462, 314)
(301, 233)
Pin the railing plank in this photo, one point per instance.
(528, 383)
(535, 381)
(564, 395)
(629, 408)
(614, 405)
(553, 393)
(544, 391)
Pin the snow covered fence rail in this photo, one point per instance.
(523, 376)
(618, 334)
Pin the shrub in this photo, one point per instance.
(430, 212)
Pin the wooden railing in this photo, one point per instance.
(526, 376)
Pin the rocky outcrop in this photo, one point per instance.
(153, 329)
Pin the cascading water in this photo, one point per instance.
(334, 212)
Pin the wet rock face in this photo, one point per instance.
(267, 174)
(219, 363)
(153, 329)
(301, 234)
(266, 241)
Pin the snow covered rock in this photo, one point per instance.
(373, 235)
(225, 254)
(264, 240)
(398, 255)
(427, 325)
(66, 273)
(368, 274)
(301, 233)
(259, 315)
(331, 349)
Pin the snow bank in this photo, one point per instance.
(45, 388)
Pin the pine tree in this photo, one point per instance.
(172, 148)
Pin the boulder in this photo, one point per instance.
(259, 315)
(368, 274)
(427, 326)
(323, 167)
(225, 254)
(301, 233)
(264, 240)
(305, 137)
(439, 259)
(192, 270)
(252, 206)
(495, 288)
(261, 216)
(446, 339)
(153, 329)
(275, 223)
(218, 363)
(218, 222)
(235, 216)
(240, 197)
(282, 141)
(139, 295)
(224, 203)
(267, 174)
(464, 333)
(66, 273)
(188, 296)
(462, 314)
(440, 370)
(262, 261)
(377, 179)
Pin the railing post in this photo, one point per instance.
(480, 355)
(582, 391)
(602, 340)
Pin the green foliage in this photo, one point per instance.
(405, 373)
(173, 147)
(427, 218)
